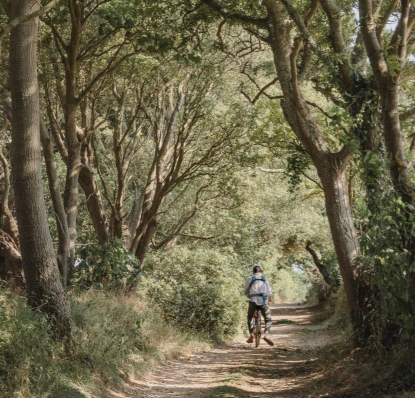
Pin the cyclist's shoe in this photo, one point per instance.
(250, 340)
(268, 341)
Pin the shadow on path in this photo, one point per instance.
(238, 370)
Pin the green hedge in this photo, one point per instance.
(199, 289)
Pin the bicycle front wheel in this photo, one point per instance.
(257, 333)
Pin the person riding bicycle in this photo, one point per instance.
(258, 290)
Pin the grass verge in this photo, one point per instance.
(113, 337)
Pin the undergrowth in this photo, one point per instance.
(368, 371)
(113, 337)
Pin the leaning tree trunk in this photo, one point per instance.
(321, 267)
(89, 185)
(44, 288)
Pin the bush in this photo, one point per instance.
(112, 336)
(110, 266)
(199, 289)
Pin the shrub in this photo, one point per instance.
(111, 266)
(199, 289)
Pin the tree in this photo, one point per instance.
(44, 288)
(387, 60)
(331, 165)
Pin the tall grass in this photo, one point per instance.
(113, 337)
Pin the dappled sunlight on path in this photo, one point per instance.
(239, 370)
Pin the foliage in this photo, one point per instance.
(289, 284)
(384, 250)
(112, 336)
(110, 265)
(200, 289)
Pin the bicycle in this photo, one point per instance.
(257, 328)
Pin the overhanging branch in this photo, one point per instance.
(237, 17)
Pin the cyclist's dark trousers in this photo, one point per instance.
(266, 313)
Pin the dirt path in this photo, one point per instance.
(238, 370)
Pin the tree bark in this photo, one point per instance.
(133, 220)
(94, 204)
(44, 288)
(73, 164)
(145, 242)
(73, 168)
(58, 207)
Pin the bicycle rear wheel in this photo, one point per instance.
(257, 336)
(257, 331)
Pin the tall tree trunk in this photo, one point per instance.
(330, 166)
(73, 164)
(73, 168)
(94, 204)
(44, 288)
(58, 207)
(346, 244)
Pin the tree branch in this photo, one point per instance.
(319, 265)
(261, 91)
(237, 17)
(407, 114)
(7, 28)
(385, 18)
(105, 72)
(197, 237)
(334, 16)
(271, 170)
